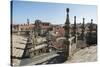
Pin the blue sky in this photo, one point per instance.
(51, 12)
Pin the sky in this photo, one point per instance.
(55, 13)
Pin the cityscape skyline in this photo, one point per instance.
(54, 13)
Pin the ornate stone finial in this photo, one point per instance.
(67, 25)
(83, 18)
(91, 20)
(67, 18)
(75, 17)
(74, 22)
(67, 10)
(74, 29)
(83, 22)
(28, 21)
(91, 25)
(83, 29)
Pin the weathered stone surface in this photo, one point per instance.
(18, 46)
(88, 54)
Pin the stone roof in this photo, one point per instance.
(18, 46)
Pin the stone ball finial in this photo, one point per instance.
(67, 10)
(83, 18)
(75, 17)
(91, 20)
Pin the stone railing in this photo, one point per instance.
(72, 45)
